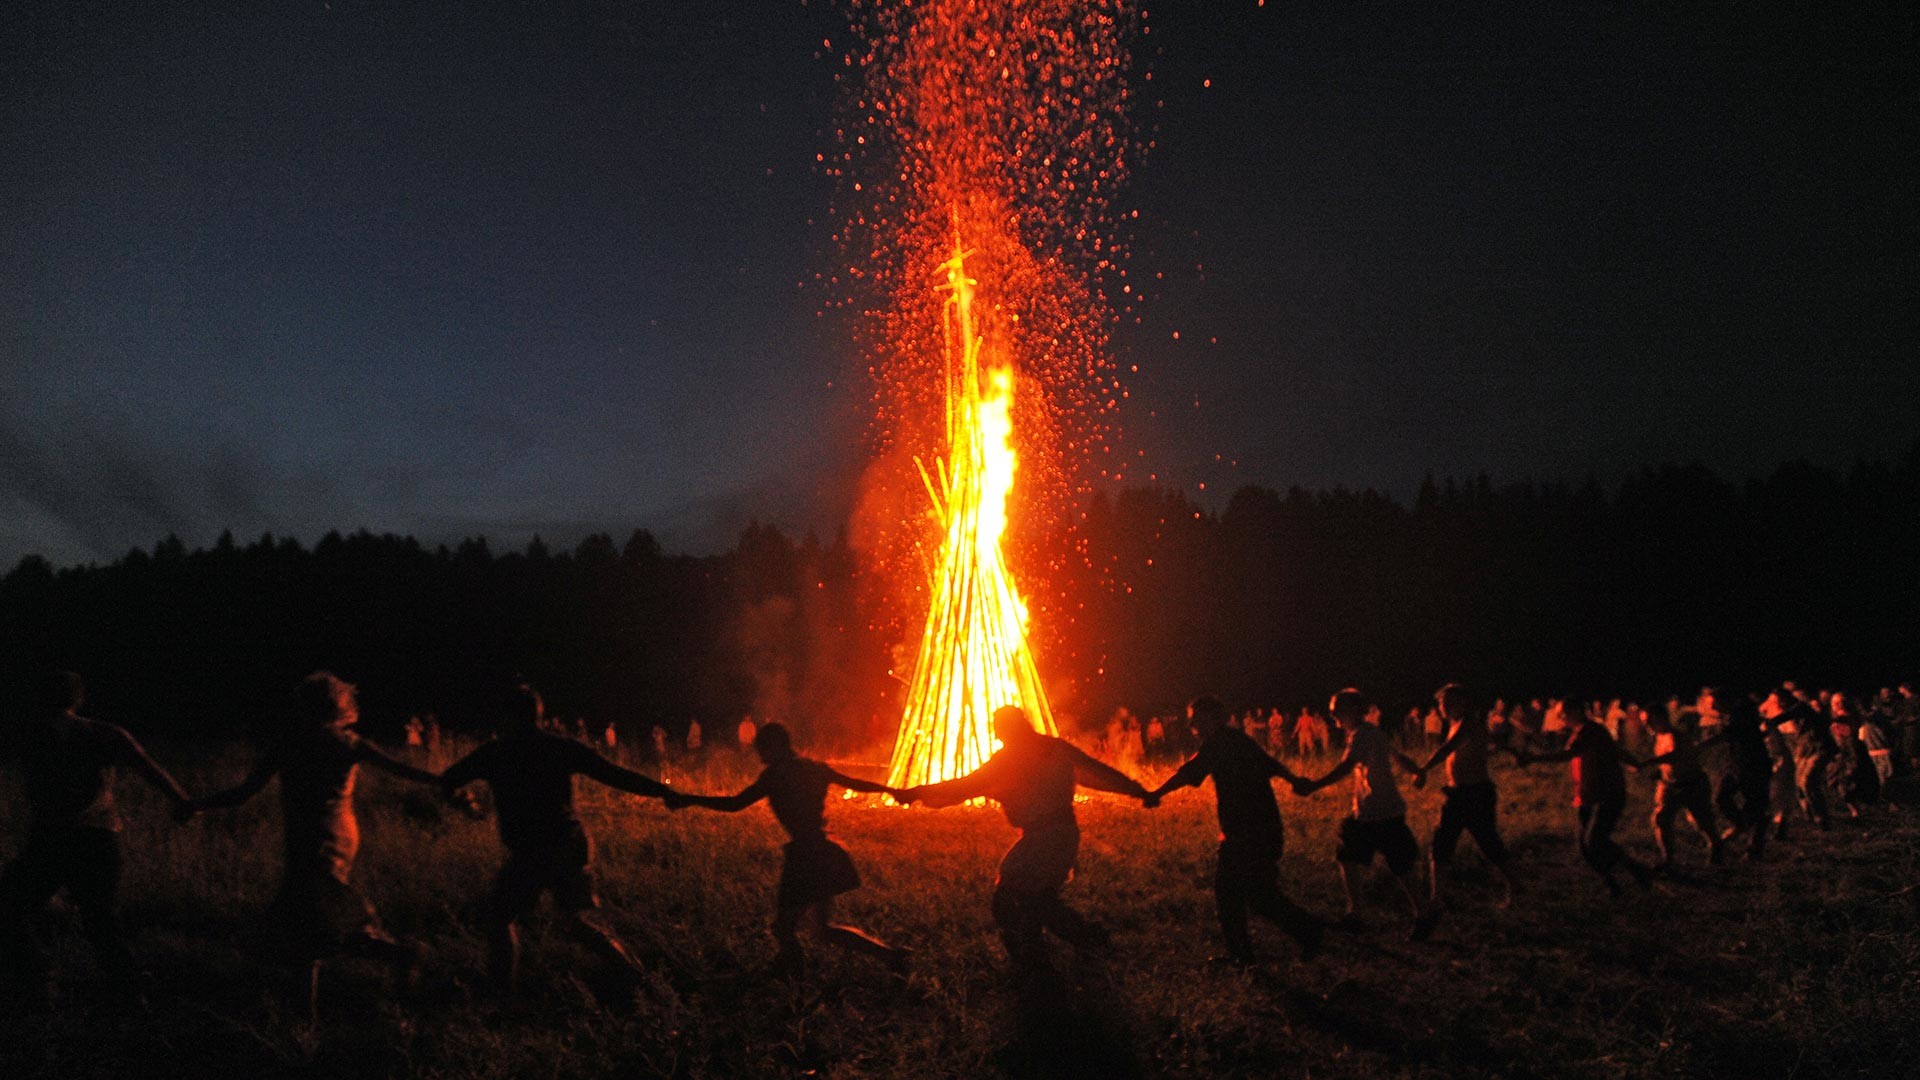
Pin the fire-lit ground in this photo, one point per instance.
(1799, 966)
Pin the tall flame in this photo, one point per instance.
(974, 656)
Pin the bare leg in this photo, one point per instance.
(1352, 890)
(854, 939)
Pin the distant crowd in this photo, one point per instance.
(1738, 768)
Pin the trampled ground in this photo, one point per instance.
(1804, 965)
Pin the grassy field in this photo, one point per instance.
(1806, 965)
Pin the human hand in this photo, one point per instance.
(674, 800)
(1150, 800)
(906, 796)
(1302, 787)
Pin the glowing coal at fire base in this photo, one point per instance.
(974, 657)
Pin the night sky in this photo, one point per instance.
(502, 268)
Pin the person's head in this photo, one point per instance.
(1457, 703)
(1660, 724)
(772, 742)
(525, 710)
(1010, 724)
(1205, 715)
(1349, 707)
(1838, 705)
(58, 692)
(324, 700)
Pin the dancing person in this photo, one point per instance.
(530, 771)
(1852, 776)
(66, 762)
(1599, 798)
(1472, 802)
(1032, 776)
(1378, 825)
(317, 756)
(814, 868)
(1684, 785)
(1247, 873)
(1745, 793)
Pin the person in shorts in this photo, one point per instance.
(1378, 826)
(815, 868)
(530, 771)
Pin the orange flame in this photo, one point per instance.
(974, 657)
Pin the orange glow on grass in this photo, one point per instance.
(974, 657)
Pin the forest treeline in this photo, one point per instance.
(1669, 579)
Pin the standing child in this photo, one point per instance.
(1379, 822)
(1252, 840)
(73, 837)
(815, 869)
(317, 757)
(1599, 798)
(531, 772)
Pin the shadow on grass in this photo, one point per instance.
(1069, 1027)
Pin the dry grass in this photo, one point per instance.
(1802, 966)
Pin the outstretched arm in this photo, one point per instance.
(606, 772)
(1187, 775)
(854, 783)
(1090, 771)
(1304, 787)
(132, 754)
(238, 793)
(977, 784)
(1565, 753)
(1443, 751)
(372, 755)
(749, 795)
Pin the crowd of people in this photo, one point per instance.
(1740, 768)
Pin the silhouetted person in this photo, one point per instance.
(1813, 754)
(1745, 794)
(66, 763)
(531, 771)
(317, 756)
(815, 869)
(1032, 776)
(1852, 777)
(1247, 875)
(1472, 802)
(1684, 785)
(1599, 798)
(1379, 822)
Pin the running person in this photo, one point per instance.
(1472, 802)
(1378, 826)
(73, 839)
(531, 771)
(815, 869)
(317, 758)
(1247, 875)
(1032, 777)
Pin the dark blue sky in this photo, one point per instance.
(453, 268)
